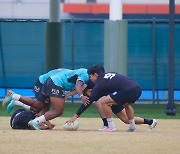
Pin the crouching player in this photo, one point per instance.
(118, 110)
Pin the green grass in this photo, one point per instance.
(141, 110)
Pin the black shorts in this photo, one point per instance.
(20, 119)
(117, 108)
(126, 96)
(37, 88)
(49, 89)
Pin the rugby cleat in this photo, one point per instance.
(8, 98)
(33, 125)
(10, 106)
(153, 125)
(102, 128)
(110, 129)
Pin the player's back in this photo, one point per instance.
(113, 81)
(67, 80)
(82, 74)
(44, 77)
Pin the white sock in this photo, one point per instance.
(39, 119)
(16, 97)
(111, 122)
(132, 124)
(18, 103)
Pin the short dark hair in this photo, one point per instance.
(96, 69)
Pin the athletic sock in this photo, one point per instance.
(132, 124)
(111, 122)
(105, 122)
(16, 97)
(147, 121)
(39, 119)
(18, 103)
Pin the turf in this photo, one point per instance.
(143, 110)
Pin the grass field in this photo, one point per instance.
(165, 139)
(142, 110)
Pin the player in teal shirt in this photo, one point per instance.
(67, 80)
(44, 77)
(53, 89)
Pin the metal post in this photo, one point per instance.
(54, 38)
(72, 37)
(171, 106)
(115, 39)
(153, 61)
(154, 65)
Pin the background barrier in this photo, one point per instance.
(22, 52)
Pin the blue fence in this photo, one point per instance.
(22, 51)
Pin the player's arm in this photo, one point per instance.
(79, 112)
(71, 93)
(79, 88)
(74, 92)
(83, 107)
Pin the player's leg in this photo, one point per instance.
(26, 100)
(14, 103)
(130, 115)
(106, 102)
(102, 115)
(56, 96)
(58, 108)
(121, 114)
(130, 96)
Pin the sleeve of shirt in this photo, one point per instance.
(94, 97)
(82, 109)
(83, 77)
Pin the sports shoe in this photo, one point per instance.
(153, 125)
(10, 106)
(102, 128)
(132, 130)
(110, 129)
(33, 125)
(8, 98)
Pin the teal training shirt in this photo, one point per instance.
(61, 79)
(44, 77)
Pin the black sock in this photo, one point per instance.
(105, 122)
(147, 121)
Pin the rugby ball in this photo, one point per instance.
(71, 126)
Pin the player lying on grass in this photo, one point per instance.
(53, 89)
(20, 119)
(116, 109)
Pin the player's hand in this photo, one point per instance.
(72, 119)
(85, 100)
